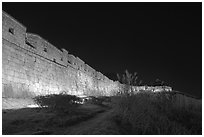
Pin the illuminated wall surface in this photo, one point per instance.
(32, 66)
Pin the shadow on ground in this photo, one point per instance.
(39, 121)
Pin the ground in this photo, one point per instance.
(89, 119)
(139, 114)
(101, 124)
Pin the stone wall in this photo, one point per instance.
(32, 66)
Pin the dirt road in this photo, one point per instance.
(101, 124)
(30, 121)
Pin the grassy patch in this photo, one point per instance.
(60, 103)
(61, 111)
(153, 114)
(103, 101)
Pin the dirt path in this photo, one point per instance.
(29, 121)
(101, 124)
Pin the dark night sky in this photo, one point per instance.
(157, 40)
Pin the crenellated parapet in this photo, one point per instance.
(33, 66)
(42, 47)
(13, 30)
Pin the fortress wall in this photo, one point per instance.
(27, 73)
(32, 66)
(16, 30)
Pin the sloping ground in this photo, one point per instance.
(89, 119)
(139, 114)
(98, 125)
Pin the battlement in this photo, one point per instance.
(12, 30)
(33, 66)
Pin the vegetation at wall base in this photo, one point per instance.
(32, 121)
(60, 103)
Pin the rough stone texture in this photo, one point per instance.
(32, 66)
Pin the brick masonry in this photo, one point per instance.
(32, 66)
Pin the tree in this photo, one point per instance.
(129, 80)
(158, 82)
